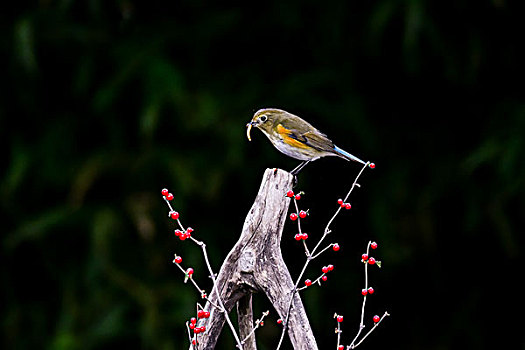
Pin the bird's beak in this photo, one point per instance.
(248, 129)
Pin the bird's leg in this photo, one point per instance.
(299, 168)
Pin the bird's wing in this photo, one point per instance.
(304, 135)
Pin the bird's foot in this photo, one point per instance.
(294, 183)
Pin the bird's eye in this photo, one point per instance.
(263, 118)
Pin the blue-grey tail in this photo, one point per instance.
(347, 155)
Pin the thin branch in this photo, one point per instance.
(351, 346)
(299, 226)
(212, 275)
(189, 335)
(361, 324)
(338, 331)
(322, 251)
(257, 325)
(214, 288)
(311, 255)
(327, 228)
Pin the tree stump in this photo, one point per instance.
(255, 264)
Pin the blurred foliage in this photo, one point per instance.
(103, 103)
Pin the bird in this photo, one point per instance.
(295, 137)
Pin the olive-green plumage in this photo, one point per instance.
(294, 136)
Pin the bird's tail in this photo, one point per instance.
(347, 155)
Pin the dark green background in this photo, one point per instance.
(103, 103)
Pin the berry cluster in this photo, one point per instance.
(291, 194)
(301, 236)
(302, 214)
(342, 204)
(183, 234)
(167, 194)
(369, 259)
(193, 322)
(323, 277)
(365, 291)
(299, 214)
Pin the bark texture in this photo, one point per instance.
(255, 265)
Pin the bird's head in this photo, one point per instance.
(264, 119)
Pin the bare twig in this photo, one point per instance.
(212, 275)
(351, 346)
(258, 323)
(311, 255)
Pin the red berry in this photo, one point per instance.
(371, 290)
(183, 236)
(193, 320)
(297, 197)
(339, 201)
(174, 215)
(339, 318)
(178, 259)
(364, 291)
(302, 214)
(192, 325)
(330, 267)
(197, 330)
(308, 283)
(164, 191)
(178, 233)
(325, 269)
(348, 206)
(189, 230)
(324, 278)
(298, 237)
(189, 271)
(206, 314)
(200, 313)
(340, 347)
(262, 323)
(377, 318)
(169, 196)
(373, 245)
(289, 194)
(194, 341)
(293, 216)
(364, 257)
(203, 329)
(371, 261)
(372, 165)
(304, 236)
(336, 247)
(279, 321)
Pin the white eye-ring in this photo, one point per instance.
(263, 118)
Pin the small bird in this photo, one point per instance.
(295, 137)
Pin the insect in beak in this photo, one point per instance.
(248, 129)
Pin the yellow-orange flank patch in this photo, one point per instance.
(285, 135)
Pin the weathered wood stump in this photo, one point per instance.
(255, 264)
